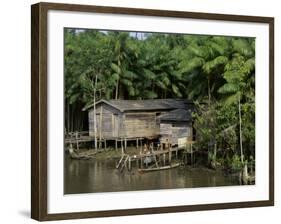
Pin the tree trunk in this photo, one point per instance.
(240, 131)
(215, 155)
(116, 90)
(245, 176)
(95, 115)
(72, 117)
(118, 81)
(68, 118)
(209, 93)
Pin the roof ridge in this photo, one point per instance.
(146, 104)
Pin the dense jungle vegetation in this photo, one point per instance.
(216, 72)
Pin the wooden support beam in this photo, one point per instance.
(77, 141)
(100, 125)
(129, 163)
(185, 157)
(125, 163)
(170, 156)
(155, 160)
(70, 148)
(191, 155)
(125, 145)
(122, 148)
(116, 144)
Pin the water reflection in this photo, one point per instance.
(87, 176)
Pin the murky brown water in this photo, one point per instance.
(88, 176)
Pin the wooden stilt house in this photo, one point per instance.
(131, 119)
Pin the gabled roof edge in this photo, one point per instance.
(101, 101)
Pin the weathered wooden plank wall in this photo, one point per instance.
(141, 124)
(111, 123)
(107, 121)
(173, 132)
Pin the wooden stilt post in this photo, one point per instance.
(126, 162)
(71, 148)
(154, 156)
(77, 142)
(170, 154)
(125, 143)
(164, 159)
(105, 144)
(129, 168)
(137, 143)
(116, 145)
(191, 155)
(100, 126)
(122, 149)
(170, 157)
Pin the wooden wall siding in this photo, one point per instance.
(173, 132)
(107, 121)
(165, 129)
(141, 125)
(127, 125)
(91, 123)
(112, 123)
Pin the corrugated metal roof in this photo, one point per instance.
(144, 105)
(177, 115)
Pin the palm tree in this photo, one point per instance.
(239, 72)
(121, 62)
(204, 59)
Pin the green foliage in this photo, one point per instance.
(235, 163)
(205, 123)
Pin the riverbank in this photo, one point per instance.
(100, 175)
(109, 153)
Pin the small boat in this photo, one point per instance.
(76, 155)
(174, 165)
(82, 155)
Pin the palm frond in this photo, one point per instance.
(150, 94)
(126, 82)
(187, 66)
(210, 65)
(228, 88)
(176, 90)
(116, 68)
(232, 99)
(148, 74)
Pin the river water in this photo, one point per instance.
(89, 176)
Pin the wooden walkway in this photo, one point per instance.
(75, 138)
(157, 157)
